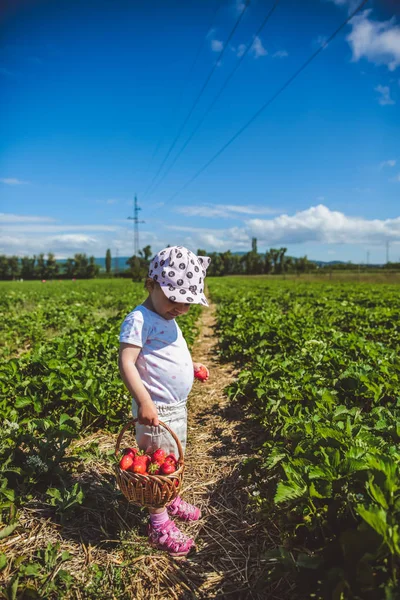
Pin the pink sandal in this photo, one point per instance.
(171, 539)
(183, 510)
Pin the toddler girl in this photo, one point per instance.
(157, 368)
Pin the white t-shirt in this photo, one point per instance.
(164, 364)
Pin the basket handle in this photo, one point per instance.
(133, 421)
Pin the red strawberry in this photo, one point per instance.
(201, 373)
(167, 468)
(171, 457)
(132, 451)
(172, 460)
(153, 468)
(139, 464)
(158, 456)
(126, 461)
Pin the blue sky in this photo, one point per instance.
(90, 90)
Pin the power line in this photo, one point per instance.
(172, 146)
(216, 98)
(186, 80)
(269, 101)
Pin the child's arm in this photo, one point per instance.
(147, 412)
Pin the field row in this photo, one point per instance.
(60, 383)
(319, 374)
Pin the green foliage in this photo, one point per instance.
(59, 378)
(66, 379)
(320, 374)
(41, 577)
(65, 500)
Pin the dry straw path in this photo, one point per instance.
(231, 541)
(108, 532)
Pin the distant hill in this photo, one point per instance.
(102, 262)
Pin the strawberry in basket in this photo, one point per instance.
(140, 463)
(158, 457)
(151, 479)
(169, 465)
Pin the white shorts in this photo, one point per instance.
(150, 438)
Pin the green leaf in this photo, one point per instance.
(306, 561)
(9, 494)
(65, 556)
(32, 569)
(289, 491)
(3, 561)
(7, 530)
(13, 588)
(22, 402)
(324, 490)
(375, 517)
(377, 494)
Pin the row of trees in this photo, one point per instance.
(272, 262)
(39, 267)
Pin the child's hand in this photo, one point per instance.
(201, 372)
(147, 414)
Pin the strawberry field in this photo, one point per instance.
(319, 374)
(59, 382)
(317, 379)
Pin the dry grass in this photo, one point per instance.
(108, 532)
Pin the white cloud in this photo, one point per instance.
(387, 163)
(384, 98)
(257, 49)
(241, 50)
(10, 218)
(27, 235)
(396, 178)
(112, 201)
(239, 6)
(61, 245)
(13, 181)
(351, 4)
(320, 224)
(320, 40)
(223, 210)
(213, 239)
(216, 45)
(317, 224)
(377, 41)
(40, 227)
(280, 54)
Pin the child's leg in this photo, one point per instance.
(163, 533)
(176, 419)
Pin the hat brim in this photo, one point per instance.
(197, 298)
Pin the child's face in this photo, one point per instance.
(164, 307)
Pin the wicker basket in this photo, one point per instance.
(153, 491)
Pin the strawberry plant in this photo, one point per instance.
(320, 374)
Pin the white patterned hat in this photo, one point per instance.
(180, 274)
